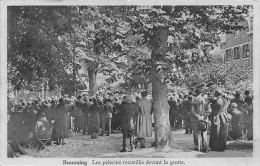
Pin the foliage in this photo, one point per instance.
(35, 52)
(231, 76)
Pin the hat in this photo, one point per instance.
(129, 99)
(41, 113)
(234, 105)
(218, 92)
(203, 126)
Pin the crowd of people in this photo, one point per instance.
(222, 115)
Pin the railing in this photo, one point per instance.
(25, 95)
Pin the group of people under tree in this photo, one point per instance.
(223, 115)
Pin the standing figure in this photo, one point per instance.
(173, 112)
(85, 112)
(186, 106)
(107, 116)
(61, 124)
(238, 101)
(94, 120)
(198, 115)
(219, 123)
(78, 117)
(29, 119)
(128, 115)
(115, 121)
(237, 122)
(249, 119)
(144, 120)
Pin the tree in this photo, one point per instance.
(35, 51)
(171, 32)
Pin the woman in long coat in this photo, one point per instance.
(94, 119)
(219, 123)
(144, 120)
(61, 124)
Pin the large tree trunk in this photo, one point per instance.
(92, 74)
(159, 89)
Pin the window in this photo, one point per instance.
(236, 53)
(246, 51)
(228, 55)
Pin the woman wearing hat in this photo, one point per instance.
(219, 123)
(61, 125)
(94, 119)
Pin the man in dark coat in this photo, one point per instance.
(107, 116)
(237, 122)
(94, 119)
(186, 106)
(219, 123)
(29, 119)
(128, 116)
(85, 112)
(14, 134)
(115, 121)
(78, 116)
(173, 112)
(61, 125)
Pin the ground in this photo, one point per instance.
(81, 146)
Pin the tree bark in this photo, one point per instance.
(92, 74)
(159, 89)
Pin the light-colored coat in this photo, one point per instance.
(144, 119)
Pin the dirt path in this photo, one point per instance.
(81, 146)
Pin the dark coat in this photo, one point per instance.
(94, 119)
(173, 108)
(86, 107)
(186, 107)
(219, 124)
(128, 116)
(79, 105)
(61, 121)
(237, 120)
(108, 110)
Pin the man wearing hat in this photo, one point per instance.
(238, 100)
(187, 104)
(61, 124)
(237, 122)
(78, 116)
(128, 115)
(219, 123)
(198, 115)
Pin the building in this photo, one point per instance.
(238, 47)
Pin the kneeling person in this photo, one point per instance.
(42, 127)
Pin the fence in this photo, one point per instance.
(33, 94)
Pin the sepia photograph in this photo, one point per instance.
(106, 83)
